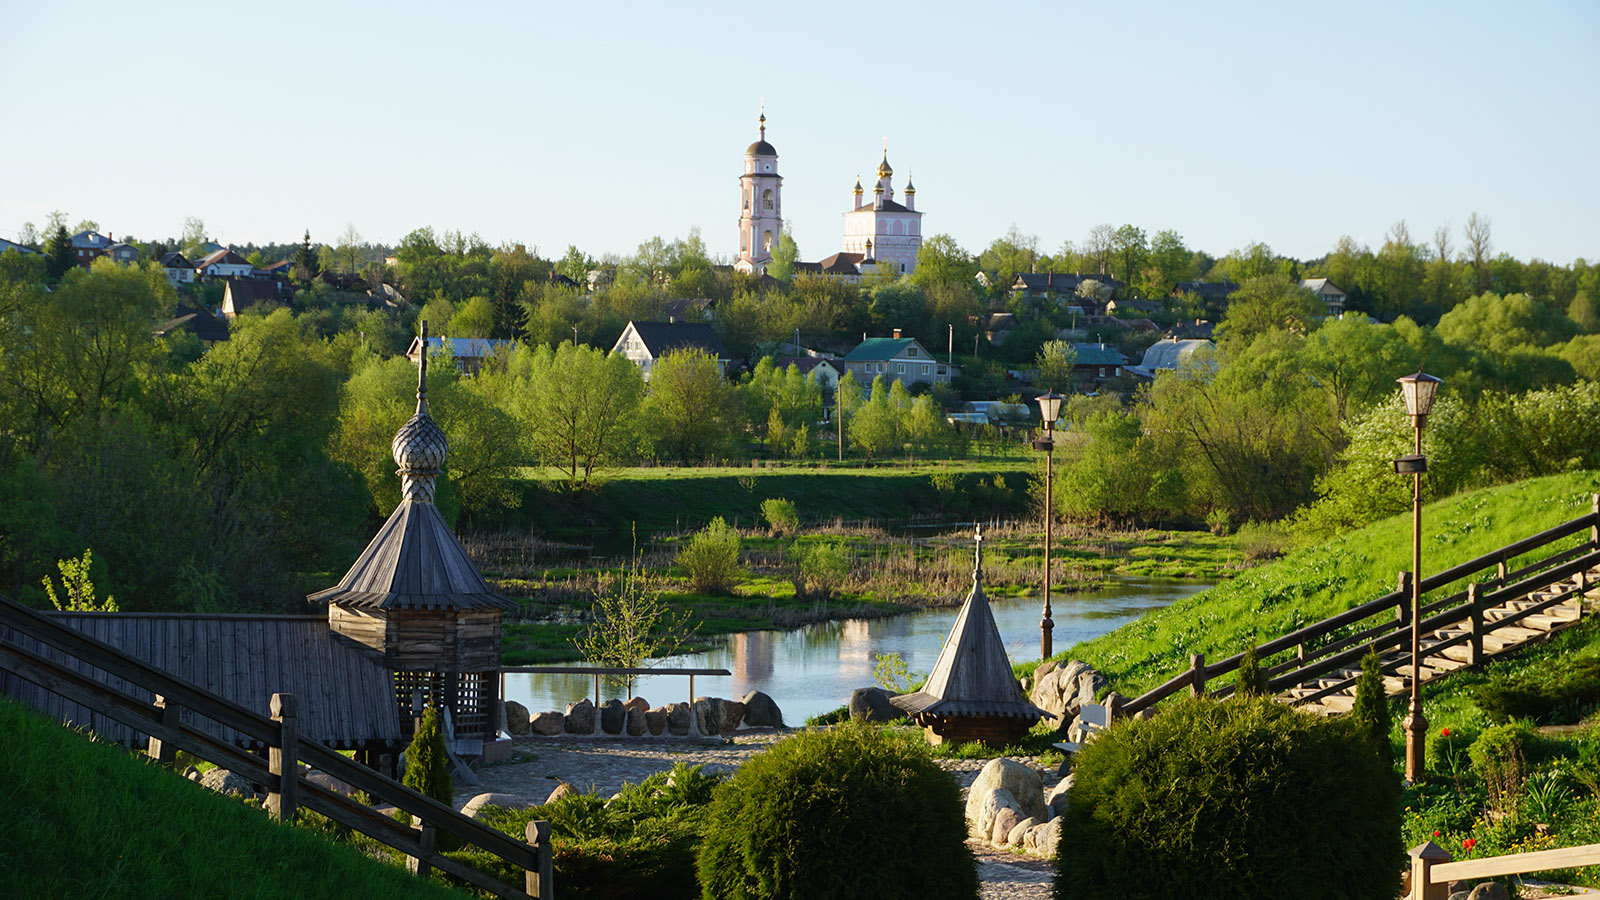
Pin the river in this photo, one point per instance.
(812, 669)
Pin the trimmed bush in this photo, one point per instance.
(1552, 696)
(1371, 710)
(1242, 799)
(846, 813)
(640, 846)
(428, 768)
(711, 558)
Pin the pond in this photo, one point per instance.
(812, 669)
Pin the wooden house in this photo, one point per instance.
(971, 694)
(417, 603)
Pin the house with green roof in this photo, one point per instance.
(897, 358)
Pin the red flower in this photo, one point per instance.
(1444, 732)
(1436, 834)
(1469, 843)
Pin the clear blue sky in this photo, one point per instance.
(602, 125)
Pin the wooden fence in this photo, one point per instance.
(1432, 869)
(1319, 650)
(287, 791)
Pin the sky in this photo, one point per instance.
(602, 125)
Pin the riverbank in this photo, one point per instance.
(889, 573)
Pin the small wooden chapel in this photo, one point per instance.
(971, 694)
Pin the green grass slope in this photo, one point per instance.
(1313, 583)
(84, 819)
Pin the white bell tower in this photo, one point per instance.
(761, 209)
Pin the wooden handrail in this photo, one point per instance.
(286, 790)
(1432, 868)
(1437, 614)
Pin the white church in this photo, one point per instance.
(880, 235)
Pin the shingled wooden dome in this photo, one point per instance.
(971, 694)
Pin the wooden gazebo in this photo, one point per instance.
(417, 602)
(971, 694)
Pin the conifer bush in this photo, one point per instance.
(1371, 709)
(1250, 681)
(851, 812)
(1236, 800)
(428, 766)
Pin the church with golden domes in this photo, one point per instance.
(880, 234)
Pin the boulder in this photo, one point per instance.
(678, 718)
(1089, 684)
(479, 802)
(579, 718)
(192, 773)
(562, 790)
(1055, 801)
(1015, 835)
(638, 703)
(1004, 820)
(635, 726)
(984, 806)
(760, 711)
(1021, 783)
(655, 720)
(329, 783)
(548, 724)
(1047, 838)
(1490, 890)
(225, 782)
(871, 704)
(515, 718)
(732, 715)
(612, 716)
(708, 715)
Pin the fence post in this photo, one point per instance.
(1423, 859)
(1402, 610)
(283, 760)
(1594, 530)
(541, 884)
(415, 865)
(1114, 707)
(157, 749)
(1475, 624)
(1197, 674)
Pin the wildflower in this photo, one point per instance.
(1444, 732)
(1436, 834)
(1469, 843)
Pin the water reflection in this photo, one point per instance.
(813, 669)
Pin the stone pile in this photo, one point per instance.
(1007, 806)
(705, 717)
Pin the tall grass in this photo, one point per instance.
(83, 818)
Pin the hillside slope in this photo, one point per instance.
(1311, 584)
(84, 818)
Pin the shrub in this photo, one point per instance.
(823, 569)
(1371, 710)
(1554, 695)
(1231, 800)
(1250, 681)
(711, 558)
(780, 515)
(1263, 540)
(844, 813)
(428, 766)
(640, 846)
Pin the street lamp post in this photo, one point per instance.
(1049, 410)
(1419, 390)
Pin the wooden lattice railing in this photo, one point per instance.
(1561, 576)
(287, 791)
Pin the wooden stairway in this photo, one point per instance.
(1532, 617)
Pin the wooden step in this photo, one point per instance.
(1338, 703)
(1518, 632)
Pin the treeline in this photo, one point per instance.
(1299, 416)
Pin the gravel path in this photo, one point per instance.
(603, 765)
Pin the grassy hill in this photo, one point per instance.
(83, 818)
(1316, 582)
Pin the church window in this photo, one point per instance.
(766, 242)
(766, 199)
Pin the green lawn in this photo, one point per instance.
(83, 818)
(1311, 584)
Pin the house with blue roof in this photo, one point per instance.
(469, 354)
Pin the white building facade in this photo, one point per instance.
(761, 205)
(883, 230)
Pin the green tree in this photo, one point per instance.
(1131, 251)
(1055, 363)
(875, 426)
(710, 558)
(1371, 710)
(194, 240)
(784, 255)
(472, 319)
(348, 252)
(1268, 303)
(1354, 362)
(942, 263)
(428, 761)
(690, 409)
(59, 254)
(1501, 324)
(630, 625)
(306, 257)
(77, 588)
(580, 409)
